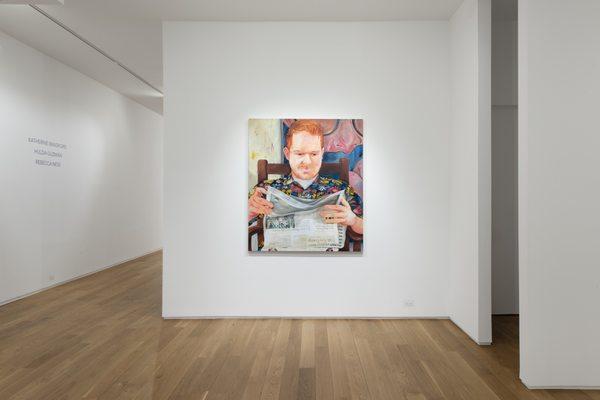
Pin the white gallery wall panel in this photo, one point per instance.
(469, 296)
(559, 192)
(80, 171)
(396, 76)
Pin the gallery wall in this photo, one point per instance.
(394, 75)
(469, 294)
(80, 171)
(559, 192)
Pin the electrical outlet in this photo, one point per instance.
(409, 303)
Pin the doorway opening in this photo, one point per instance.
(505, 257)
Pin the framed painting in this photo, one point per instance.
(305, 185)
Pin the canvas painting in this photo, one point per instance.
(305, 185)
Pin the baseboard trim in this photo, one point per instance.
(302, 317)
(561, 387)
(557, 387)
(3, 303)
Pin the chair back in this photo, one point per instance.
(339, 168)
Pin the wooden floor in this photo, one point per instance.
(103, 337)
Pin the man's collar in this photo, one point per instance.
(289, 179)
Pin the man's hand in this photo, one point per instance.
(257, 204)
(339, 214)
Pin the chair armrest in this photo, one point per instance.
(253, 230)
(355, 237)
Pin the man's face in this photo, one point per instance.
(305, 155)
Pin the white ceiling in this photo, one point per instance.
(130, 31)
(269, 10)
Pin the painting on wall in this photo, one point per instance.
(305, 185)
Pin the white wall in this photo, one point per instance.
(394, 75)
(469, 297)
(505, 271)
(559, 192)
(103, 205)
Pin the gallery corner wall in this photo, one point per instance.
(559, 193)
(423, 91)
(80, 171)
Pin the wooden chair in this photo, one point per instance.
(341, 169)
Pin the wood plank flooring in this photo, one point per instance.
(102, 337)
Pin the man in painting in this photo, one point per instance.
(304, 149)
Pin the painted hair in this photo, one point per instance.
(309, 126)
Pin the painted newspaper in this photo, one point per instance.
(296, 225)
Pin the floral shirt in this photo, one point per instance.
(321, 186)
